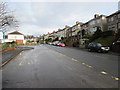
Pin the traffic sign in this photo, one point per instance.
(2, 35)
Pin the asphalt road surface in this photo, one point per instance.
(101, 61)
(44, 67)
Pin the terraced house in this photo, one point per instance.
(73, 34)
(60, 34)
(113, 21)
(98, 22)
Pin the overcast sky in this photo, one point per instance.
(37, 18)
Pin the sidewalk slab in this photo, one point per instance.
(10, 54)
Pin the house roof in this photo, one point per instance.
(117, 12)
(16, 32)
(96, 18)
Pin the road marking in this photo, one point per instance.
(89, 66)
(103, 72)
(83, 63)
(28, 63)
(20, 54)
(117, 79)
(74, 60)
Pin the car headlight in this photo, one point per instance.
(102, 47)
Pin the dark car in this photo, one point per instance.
(116, 46)
(117, 42)
(97, 47)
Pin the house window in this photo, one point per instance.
(118, 15)
(112, 18)
(111, 27)
(98, 21)
(92, 22)
(118, 25)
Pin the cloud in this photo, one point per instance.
(42, 17)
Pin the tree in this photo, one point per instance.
(7, 20)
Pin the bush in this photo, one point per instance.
(76, 44)
(107, 41)
(107, 33)
(96, 35)
(9, 44)
(41, 41)
(66, 41)
(87, 36)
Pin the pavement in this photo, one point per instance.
(10, 54)
(44, 67)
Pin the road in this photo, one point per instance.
(44, 67)
(101, 61)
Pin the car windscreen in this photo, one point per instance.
(98, 44)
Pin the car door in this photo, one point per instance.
(94, 46)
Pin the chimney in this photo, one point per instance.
(96, 15)
(77, 22)
(66, 26)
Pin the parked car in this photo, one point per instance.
(117, 42)
(97, 47)
(56, 43)
(62, 45)
(50, 43)
(116, 46)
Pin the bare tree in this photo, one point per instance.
(7, 20)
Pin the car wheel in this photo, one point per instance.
(89, 50)
(99, 51)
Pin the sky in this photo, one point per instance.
(37, 18)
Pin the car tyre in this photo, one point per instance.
(99, 51)
(89, 50)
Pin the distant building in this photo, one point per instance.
(31, 38)
(15, 36)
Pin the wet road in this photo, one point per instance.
(43, 67)
(101, 61)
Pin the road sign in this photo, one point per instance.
(1, 35)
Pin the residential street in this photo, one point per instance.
(48, 66)
(101, 61)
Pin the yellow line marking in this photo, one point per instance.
(74, 60)
(117, 79)
(89, 66)
(103, 72)
(83, 63)
(28, 63)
